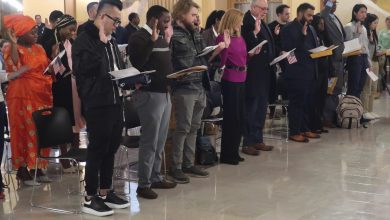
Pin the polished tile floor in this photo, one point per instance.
(345, 175)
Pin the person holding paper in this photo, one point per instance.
(357, 65)
(64, 86)
(384, 45)
(188, 92)
(26, 94)
(370, 87)
(4, 77)
(283, 12)
(320, 93)
(94, 54)
(301, 76)
(334, 35)
(234, 58)
(259, 75)
(149, 50)
(209, 35)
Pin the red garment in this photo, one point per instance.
(26, 94)
(19, 23)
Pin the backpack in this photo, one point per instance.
(349, 112)
(205, 153)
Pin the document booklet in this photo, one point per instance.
(122, 47)
(331, 85)
(185, 72)
(258, 46)
(126, 73)
(322, 51)
(207, 50)
(281, 57)
(352, 47)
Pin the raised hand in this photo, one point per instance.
(47, 24)
(226, 38)
(304, 29)
(168, 34)
(277, 30)
(102, 35)
(11, 36)
(155, 31)
(257, 27)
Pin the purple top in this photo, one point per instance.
(235, 55)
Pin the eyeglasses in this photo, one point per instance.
(117, 21)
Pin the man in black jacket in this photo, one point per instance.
(94, 55)
(48, 33)
(259, 75)
(189, 92)
(92, 11)
(150, 51)
(300, 76)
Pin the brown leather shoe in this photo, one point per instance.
(250, 151)
(298, 138)
(328, 124)
(163, 185)
(311, 135)
(146, 193)
(263, 147)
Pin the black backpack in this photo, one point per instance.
(205, 153)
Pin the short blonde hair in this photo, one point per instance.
(231, 19)
(182, 7)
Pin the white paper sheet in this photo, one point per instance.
(181, 73)
(259, 45)
(372, 75)
(125, 73)
(122, 47)
(207, 50)
(351, 46)
(281, 57)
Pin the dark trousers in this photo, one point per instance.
(318, 98)
(300, 108)
(255, 113)
(2, 124)
(104, 127)
(233, 105)
(357, 74)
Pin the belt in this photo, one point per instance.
(237, 68)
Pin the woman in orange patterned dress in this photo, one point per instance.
(26, 94)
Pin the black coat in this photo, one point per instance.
(259, 72)
(292, 37)
(91, 64)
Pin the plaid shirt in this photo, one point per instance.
(185, 46)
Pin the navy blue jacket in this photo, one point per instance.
(292, 37)
(259, 71)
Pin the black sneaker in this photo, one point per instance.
(96, 207)
(115, 202)
(179, 177)
(196, 172)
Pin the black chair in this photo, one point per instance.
(53, 128)
(128, 141)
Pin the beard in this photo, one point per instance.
(189, 25)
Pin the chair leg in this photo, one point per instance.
(44, 207)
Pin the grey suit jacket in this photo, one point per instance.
(333, 34)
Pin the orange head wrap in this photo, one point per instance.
(19, 23)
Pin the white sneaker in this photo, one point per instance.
(376, 116)
(368, 116)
